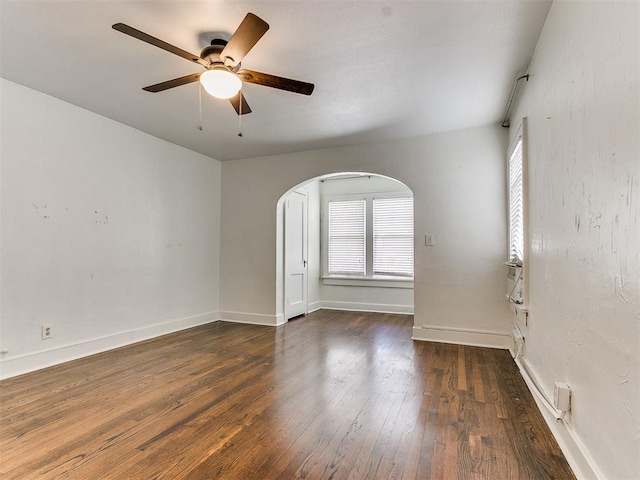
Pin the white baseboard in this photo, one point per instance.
(314, 306)
(13, 366)
(460, 336)
(252, 318)
(574, 451)
(367, 307)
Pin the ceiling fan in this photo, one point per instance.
(223, 76)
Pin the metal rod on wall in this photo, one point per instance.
(505, 119)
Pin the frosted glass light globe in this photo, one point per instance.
(220, 83)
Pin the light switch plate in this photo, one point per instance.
(429, 240)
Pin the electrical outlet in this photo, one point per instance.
(47, 332)
(562, 396)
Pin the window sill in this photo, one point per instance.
(384, 282)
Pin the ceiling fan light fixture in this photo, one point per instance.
(222, 77)
(220, 83)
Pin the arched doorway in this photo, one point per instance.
(381, 285)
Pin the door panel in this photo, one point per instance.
(295, 236)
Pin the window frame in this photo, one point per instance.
(520, 267)
(384, 227)
(369, 279)
(515, 254)
(359, 233)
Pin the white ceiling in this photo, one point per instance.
(382, 69)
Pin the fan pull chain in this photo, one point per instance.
(240, 115)
(199, 127)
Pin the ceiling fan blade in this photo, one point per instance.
(135, 33)
(235, 101)
(245, 37)
(281, 83)
(176, 82)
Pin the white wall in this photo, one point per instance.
(397, 299)
(108, 234)
(458, 184)
(360, 185)
(583, 109)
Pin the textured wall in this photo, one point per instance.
(583, 108)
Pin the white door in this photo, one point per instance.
(295, 254)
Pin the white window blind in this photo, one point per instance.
(393, 236)
(516, 205)
(346, 246)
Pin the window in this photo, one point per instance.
(517, 280)
(370, 236)
(516, 204)
(347, 237)
(393, 236)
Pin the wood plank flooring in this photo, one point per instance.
(333, 395)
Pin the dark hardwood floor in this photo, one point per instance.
(332, 395)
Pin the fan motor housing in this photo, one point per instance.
(212, 52)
